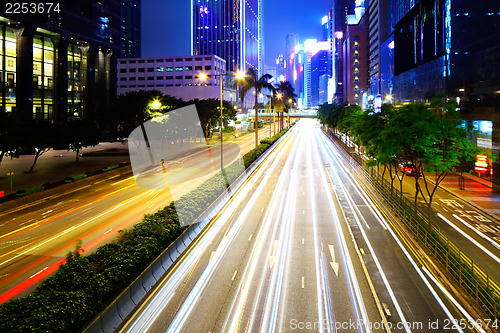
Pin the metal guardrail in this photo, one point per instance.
(111, 318)
(466, 273)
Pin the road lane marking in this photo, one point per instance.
(452, 299)
(303, 212)
(272, 258)
(477, 231)
(108, 231)
(121, 181)
(49, 211)
(386, 309)
(472, 240)
(303, 282)
(333, 263)
(234, 275)
(262, 209)
(38, 272)
(302, 241)
(250, 238)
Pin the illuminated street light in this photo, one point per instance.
(203, 77)
(156, 105)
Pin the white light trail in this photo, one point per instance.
(472, 240)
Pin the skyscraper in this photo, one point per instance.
(341, 9)
(291, 41)
(62, 64)
(451, 47)
(230, 29)
(377, 35)
(130, 29)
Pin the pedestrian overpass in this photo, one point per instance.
(293, 113)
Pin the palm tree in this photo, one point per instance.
(275, 103)
(252, 81)
(287, 91)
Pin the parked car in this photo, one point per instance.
(409, 169)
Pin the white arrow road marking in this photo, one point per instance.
(272, 258)
(335, 265)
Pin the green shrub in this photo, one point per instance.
(110, 167)
(75, 178)
(23, 193)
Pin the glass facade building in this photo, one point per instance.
(451, 47)
(230, 29)
(130, 29)
(60, 66)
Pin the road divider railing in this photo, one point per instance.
(478, 285)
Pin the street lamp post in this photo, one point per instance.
(10, 174)
(221, 75)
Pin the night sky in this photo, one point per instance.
(166, 25)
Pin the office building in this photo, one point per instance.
(130, 29)
(60, 65)
(319, 75)
(340, 11)
(175, 76)
(291, 42)
(280, 68)
(356, 67)
(376, 37)
(230, 29)
(451, 47)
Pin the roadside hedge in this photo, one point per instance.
(23, 193)
(83, 287)
(75, 178)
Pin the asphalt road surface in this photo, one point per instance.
(300, 247)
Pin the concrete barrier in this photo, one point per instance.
(148, 280)
(180, 245)
(111, 319)
(125, 304)
(96, 326)
(137, 291)
(166, 262)
(158, 269)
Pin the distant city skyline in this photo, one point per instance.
(166, 26)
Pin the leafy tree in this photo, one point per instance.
(446, 146)
(329, 114)
(209, 113)
(135, 107)
(349, 119)
(368, 131)
(11, 132)
(78, 134)
(258, 84)
(40, 137)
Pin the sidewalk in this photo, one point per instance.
(55, 165)
(477, 191)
